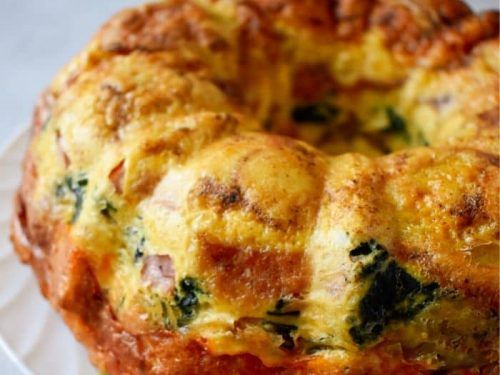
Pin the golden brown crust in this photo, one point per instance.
(168, 92)
(268, 275)
(159, 27)
(118, 351)
(474, 208)
(449, 25)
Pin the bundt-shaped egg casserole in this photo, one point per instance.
(273, 187)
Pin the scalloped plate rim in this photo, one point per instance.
(13, 357)
(20, 133)
(21, 136)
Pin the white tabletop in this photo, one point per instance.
(36, 38)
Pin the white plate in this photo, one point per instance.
(32, 335)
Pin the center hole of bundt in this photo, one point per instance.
(365, 118)
(337, 130)
(372, 127)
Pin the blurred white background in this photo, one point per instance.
(37, 37)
